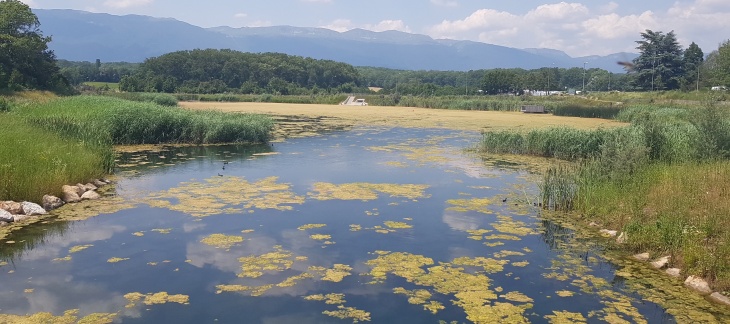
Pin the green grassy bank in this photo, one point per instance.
(664, 181)
(49, 143)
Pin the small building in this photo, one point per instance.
(351, 101)
(533, 109)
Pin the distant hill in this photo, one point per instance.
(84, 36)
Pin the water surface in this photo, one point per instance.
(379, 224)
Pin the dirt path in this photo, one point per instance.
(322, 117)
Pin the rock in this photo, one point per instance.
(70, 194)
(621, 238)
(642, 256)
(90, 195)
(698, 284)
(90, 186)
(81, 188)
(11, 207)
(98, 183)
(32, 209)
(608, 232)
(106, 180)
(20, 218)
(593, 224)
(720, 298)
(674, 272)
(5, 216)
(661, 262)
(51, 202)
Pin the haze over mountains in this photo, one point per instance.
(85, 36)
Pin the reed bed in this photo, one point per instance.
(117, 121)
(69, 140)
(35, 161)
(162, 99)
(664, 181)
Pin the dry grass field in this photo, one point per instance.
(338, 117)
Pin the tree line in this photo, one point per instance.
(219, 71)
(27, 63)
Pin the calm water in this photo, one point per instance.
(162, 240)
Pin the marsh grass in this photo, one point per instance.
(664, 181)
(106, 120)
(34, 161)
(588, 111)
(68, 140)
(162, 99)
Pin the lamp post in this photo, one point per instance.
(584, 79)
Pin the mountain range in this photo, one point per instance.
(85, 36)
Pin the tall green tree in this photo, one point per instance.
(500, 81)
(692, 60)
(717, 66)
(659, 65)
(25, 60)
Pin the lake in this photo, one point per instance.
(371, 224)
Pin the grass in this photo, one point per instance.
(35, 161)
(113, 86)
(664, 180)
(162, 99)
(67, 140)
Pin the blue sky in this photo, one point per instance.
(578, 28)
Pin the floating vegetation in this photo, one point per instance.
(320, 237)
(471, 291)
(226, 195)
(138, 234)
(90, 208)
(366, 191)
(155, 298)
(247, 231)
(397, 164)
(310, 226)
(292, 281)
(222, 241)
(373, 212)
(397, 225)
(356, 315)
(521, 264)
(511, 226)
(115, 260)
(337, 273)
(66, 258)
(355, 227)
(68, 317)
(254, 266)
(79, 248)
(517, 297)
(504, 254)
(466, 205)
(502, 237)
(330, 299)
(28, 291)
(420, 297)
(564, 293)
(565, 317)
(162, 230)
(489, 265)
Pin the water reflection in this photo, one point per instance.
(459, 220)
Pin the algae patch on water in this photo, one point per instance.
(310, 226)
(79, 248)
(342, 312)
(222, 241)
(226, 195)
(155, 298)
(330, 299)
(366, 191)
(116, 259)
(466, 205)
(68, 317)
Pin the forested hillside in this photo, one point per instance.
(217, 71)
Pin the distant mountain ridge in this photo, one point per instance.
(85, 36)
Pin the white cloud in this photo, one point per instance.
(240, 15)
(122, 4)
(389, 25)
(340, 25)
(579, 30)
(259, 23)
(445, 3)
